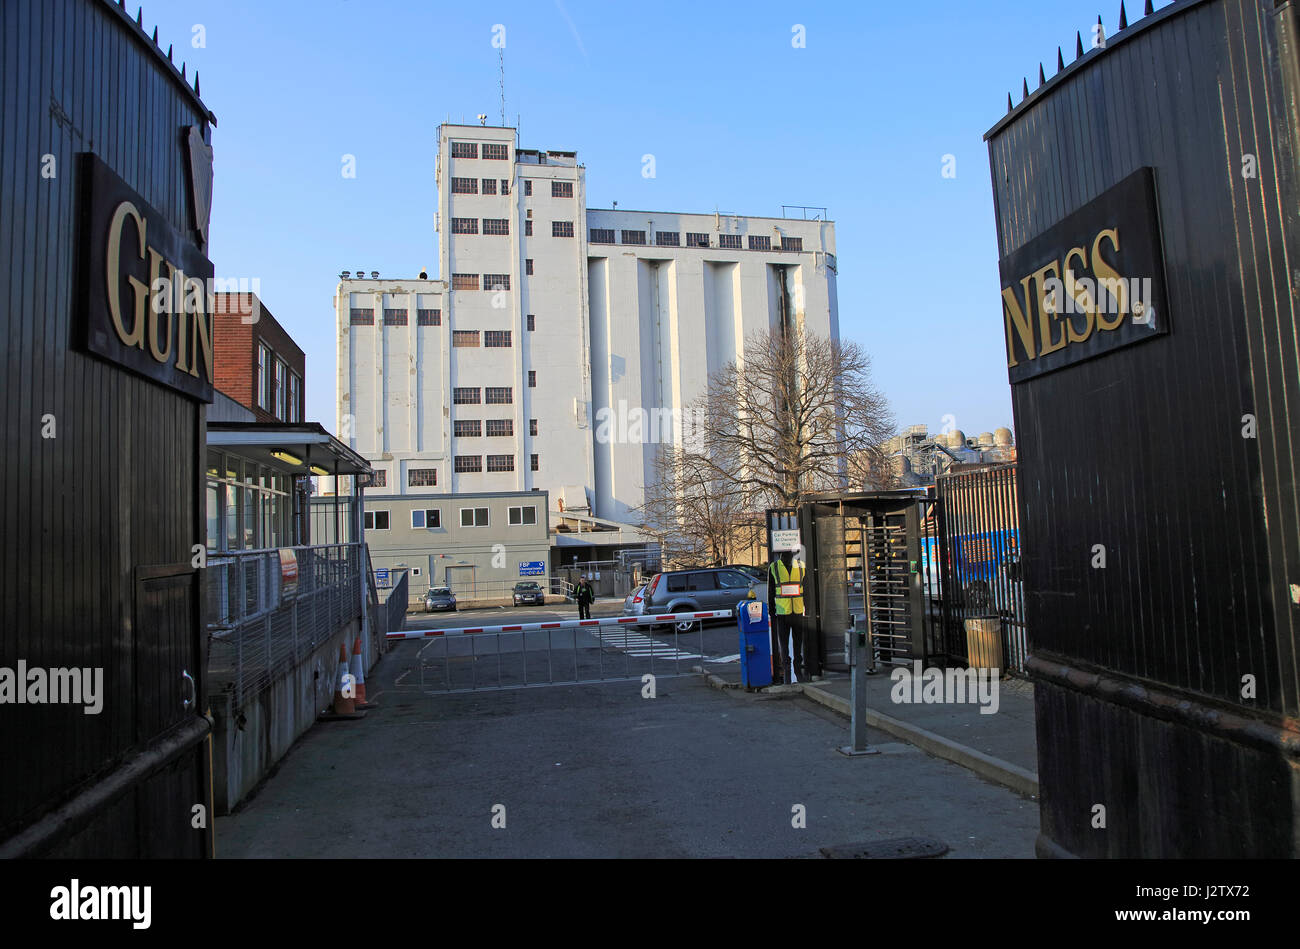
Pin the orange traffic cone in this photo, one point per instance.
(359, 676)
(345, 704)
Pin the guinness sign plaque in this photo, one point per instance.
(1089, 285)
(144, 287)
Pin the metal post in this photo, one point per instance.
(859, 646)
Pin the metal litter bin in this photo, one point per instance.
(984, 642)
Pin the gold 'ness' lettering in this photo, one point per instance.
(1059, 307)
(185, 298)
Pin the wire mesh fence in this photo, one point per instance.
(268, 609)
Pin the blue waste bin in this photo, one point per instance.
(755, 644)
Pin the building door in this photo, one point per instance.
(168, 657)
(461, 581)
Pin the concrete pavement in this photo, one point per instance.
(599, 771)
(1000, 747)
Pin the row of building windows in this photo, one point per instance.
(279, 388)
(365, 316)
(470, 464)
(491, 150)
(430, 518)
(490, 395)
(479, 185)
(605, 235)
(249, 506)
(490, 281)
(559, 189)
(473, 427)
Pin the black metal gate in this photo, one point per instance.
(975, 541)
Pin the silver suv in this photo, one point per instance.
(684, 591)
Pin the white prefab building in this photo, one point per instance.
(553, 324)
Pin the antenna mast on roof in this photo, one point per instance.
(501, 54)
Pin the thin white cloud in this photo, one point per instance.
(573, 29)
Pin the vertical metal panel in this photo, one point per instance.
(1142, 450)
(1182, 599)
(119, 486)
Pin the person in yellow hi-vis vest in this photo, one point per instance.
(785, 593)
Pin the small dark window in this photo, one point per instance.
(532, 378)
(532, 322)
(528, 266)
(528, 187)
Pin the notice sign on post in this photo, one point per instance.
(786, 540)
(381, 577)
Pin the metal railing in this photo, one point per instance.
(396, 604)
(977, 547)
(562, 652)
(267, 610)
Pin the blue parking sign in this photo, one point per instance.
(532, 568)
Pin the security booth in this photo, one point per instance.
(1146, 217)
(863, 553)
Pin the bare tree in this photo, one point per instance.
(795, 415)
(692, 508)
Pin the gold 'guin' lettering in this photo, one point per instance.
(186, 299)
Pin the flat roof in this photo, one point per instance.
(307, 441)
(749, 217)
(469, 495)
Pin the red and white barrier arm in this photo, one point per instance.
(570, 624)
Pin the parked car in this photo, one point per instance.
(685, 591)
(633, 597)
(529, 592)
(439, 598)
(759, 573)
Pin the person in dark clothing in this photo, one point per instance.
(585, 596)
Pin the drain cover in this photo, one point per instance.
(899, 848)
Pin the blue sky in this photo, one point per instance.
(738, 119)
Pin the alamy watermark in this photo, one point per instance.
(636, 425)
(59, 686)
(192, 295)
(945, 687)
(1110, 295)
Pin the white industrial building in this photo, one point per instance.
(549, 317)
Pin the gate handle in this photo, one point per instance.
(186, 703)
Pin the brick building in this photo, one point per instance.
(257, 363)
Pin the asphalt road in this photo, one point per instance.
(602, 771)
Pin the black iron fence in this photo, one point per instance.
(971, 548)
